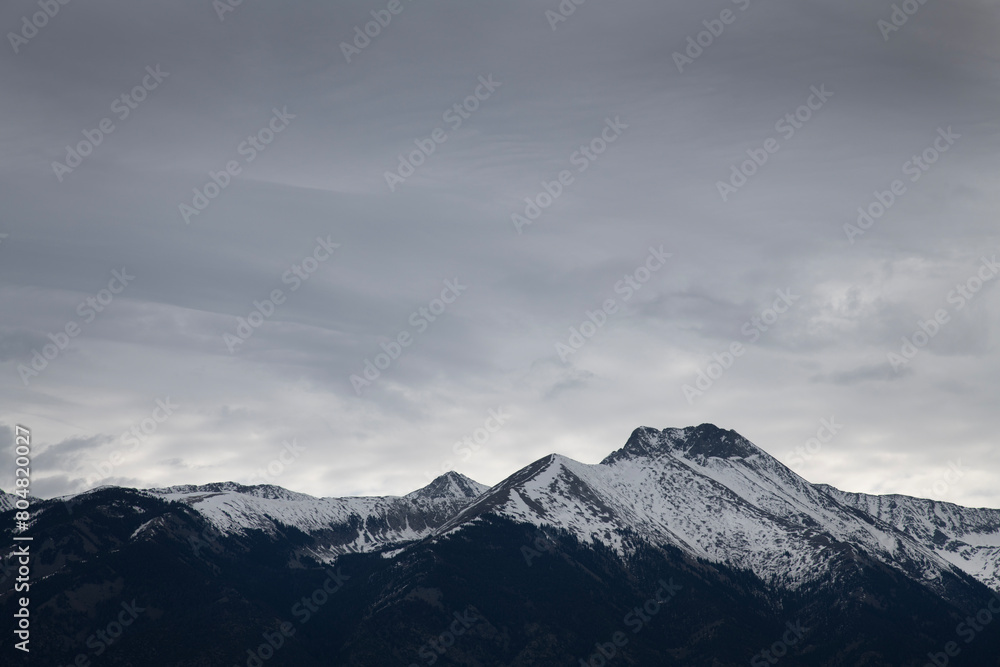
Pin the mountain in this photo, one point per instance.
(716, 496)
(337, 525)
(687, 546)
(968, 538)
(7, 501)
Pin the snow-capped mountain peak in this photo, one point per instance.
(713, 494)
(702, 501)
(694, 442)
(705, 490)
(449, 485)
(338, 525)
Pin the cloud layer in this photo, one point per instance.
(462, 203)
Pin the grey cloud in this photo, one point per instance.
(324, 175)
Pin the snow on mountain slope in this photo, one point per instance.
(708, 491)
(339, 525)
(713, 494)
(6, 501)
(967, 537)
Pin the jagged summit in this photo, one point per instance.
(715, 495)
(449, 485)
(694, 442)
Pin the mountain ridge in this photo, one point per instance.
(706, 490)
(552, 557)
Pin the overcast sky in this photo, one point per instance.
(642, 125)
